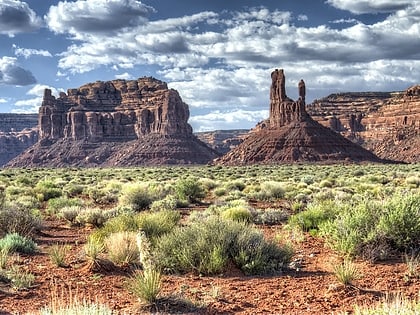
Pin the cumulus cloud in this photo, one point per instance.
(12, 74)
(124, 76)
(3, 100)
(231, 119)
(96, 16)
(221, 62)
(28, 52)
(17, 17)
(32, 104)
(368, 6)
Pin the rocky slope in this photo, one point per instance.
(124, 123)
(17, 133)
(291, 135)
(223, 140)
(386, 123)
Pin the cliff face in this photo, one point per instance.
(114, 111)
(386, 123)
(138, 122)
(291, 135)
(17, 133)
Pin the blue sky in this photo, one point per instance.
(218, 54)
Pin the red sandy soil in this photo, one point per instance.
(310, 289)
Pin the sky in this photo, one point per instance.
(217, 54)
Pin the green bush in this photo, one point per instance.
(91, 216)
(206, 247)
(400, 221)
(15, 242)
(314, 215)
(270, 216)
(167, 203)
(237, 213)
(153, 224)
(14, 219)
(190, 190)
(54, 205)
(47, 190)
(136, 196)
(122, 248)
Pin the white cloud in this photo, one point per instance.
(232, 119)
(3, 100)
(31, 105)
(17, 17)
(369, 6)
(124, 76)
(12, 74)
(222, 62)
(28, 52)
(96, 16)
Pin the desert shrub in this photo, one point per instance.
(58, 254)
(254, 255)
(153, 224)
(100, 195)
(236, 184)
(73, 189)
(208, 183)
(206, 247)
(18, 220)
(122, 248)
(391, 305)
(189, 189)
(270, 190)
(136, 196)
(59, 307)
(400, 221)
(270, 216)
(157, 223)
(15, 242)
(346, 272)
(392, 224)
(47, 189)
(167, 203)
(70, 213)
(54, 205)
(413, 181)
(20, 278)
(26, 202)
(237, 213)
(91, 216)
(353, 227)
(314, 215)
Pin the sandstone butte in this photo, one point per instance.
(291, 135)
(386, 123)
(115, 123)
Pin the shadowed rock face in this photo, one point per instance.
(138, 122)
(291, 135)
(114, 111)
(387, 123)
(17, 133)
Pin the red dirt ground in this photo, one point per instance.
(311, 289)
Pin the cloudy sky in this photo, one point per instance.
(218, 54)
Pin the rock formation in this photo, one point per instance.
(17, 133)
(291, 135)
(386, 123)
(138, 122)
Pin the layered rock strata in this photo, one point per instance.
(138, 122)
(17, 133)
(291, 135)
(386, 123)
